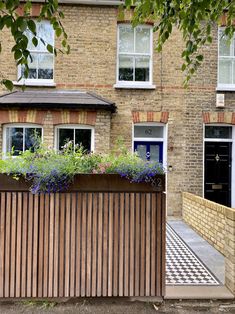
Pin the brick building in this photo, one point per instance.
(114, 84)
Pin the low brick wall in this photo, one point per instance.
(207, 218)
(216, 224)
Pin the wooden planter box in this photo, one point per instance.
(104, 237)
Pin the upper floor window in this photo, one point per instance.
(78, 135)
(226, 66)
(41, 65)
(18, 138)
(134, 60)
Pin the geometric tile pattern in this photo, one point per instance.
(183, 267)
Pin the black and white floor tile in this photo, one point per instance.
(183, 267)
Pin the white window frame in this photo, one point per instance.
(38, 82)
(230, 140)
(224, 87)
(135, 84)
(17, 125)
(75, 127)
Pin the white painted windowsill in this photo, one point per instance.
(134, 86)
(225, 88)
(37, 83)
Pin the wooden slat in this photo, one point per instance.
(51, 245)
(13, 245)
(7, 245)
(30, 245)
(73, 245)
(82, 244)
(62, 246)
(24, 244)
(46, 245)
(2, 243)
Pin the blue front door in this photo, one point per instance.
(151, 151)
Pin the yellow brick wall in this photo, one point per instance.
(207, 218)
(216, 224)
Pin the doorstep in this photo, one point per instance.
(197, 292)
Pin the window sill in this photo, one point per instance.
(134, 86)
(225, 88)
(39, 83)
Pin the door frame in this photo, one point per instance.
(219, 140)
(153, 139)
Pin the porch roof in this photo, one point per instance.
(63, 99)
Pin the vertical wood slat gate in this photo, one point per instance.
(82, 244)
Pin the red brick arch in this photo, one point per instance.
(150, 116)
(219, 117)
(22, 116)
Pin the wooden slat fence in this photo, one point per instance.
(82, 244)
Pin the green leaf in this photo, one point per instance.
(58, 32)
(35, 41)
(50, 48)
(8, 84)
(32, 26)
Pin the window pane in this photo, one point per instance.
(224, 45)
(154, 153)
(225, 71)
(126, 39)
(65, 135)
(32, 138)
(148, 131)
(33, 65)
(125, 68)
(45, 32)
(218, 132)
(14, 140)
(83, 138)
(142, 40)
(141, 150)
(142, 69)
(45, 66)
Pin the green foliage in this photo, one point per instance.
(194, 18)
(17, 23)
(52, 171)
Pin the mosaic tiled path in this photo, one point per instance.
(183, 267)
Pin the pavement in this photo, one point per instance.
(117, 306)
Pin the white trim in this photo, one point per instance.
(136, 84)
(17, 125)
(28, 82)
(38, 82)
(232, 140)
(74, 126)
(225, 87)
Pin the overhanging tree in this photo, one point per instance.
(194, 18)
(16, 16)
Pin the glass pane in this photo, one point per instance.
(141, 150)
(45, 66)
(45, 32)
(125, 68)
(33, 65)
(224, 45)
(225, 71)
(218, 132)
(14, 140)
(65, 135)
(83, 138)
(142, 43)
(126, 39)
(142, 69)
(32, 138)
(148, 131)
(154, 153)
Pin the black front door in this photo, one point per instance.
(218, 160)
